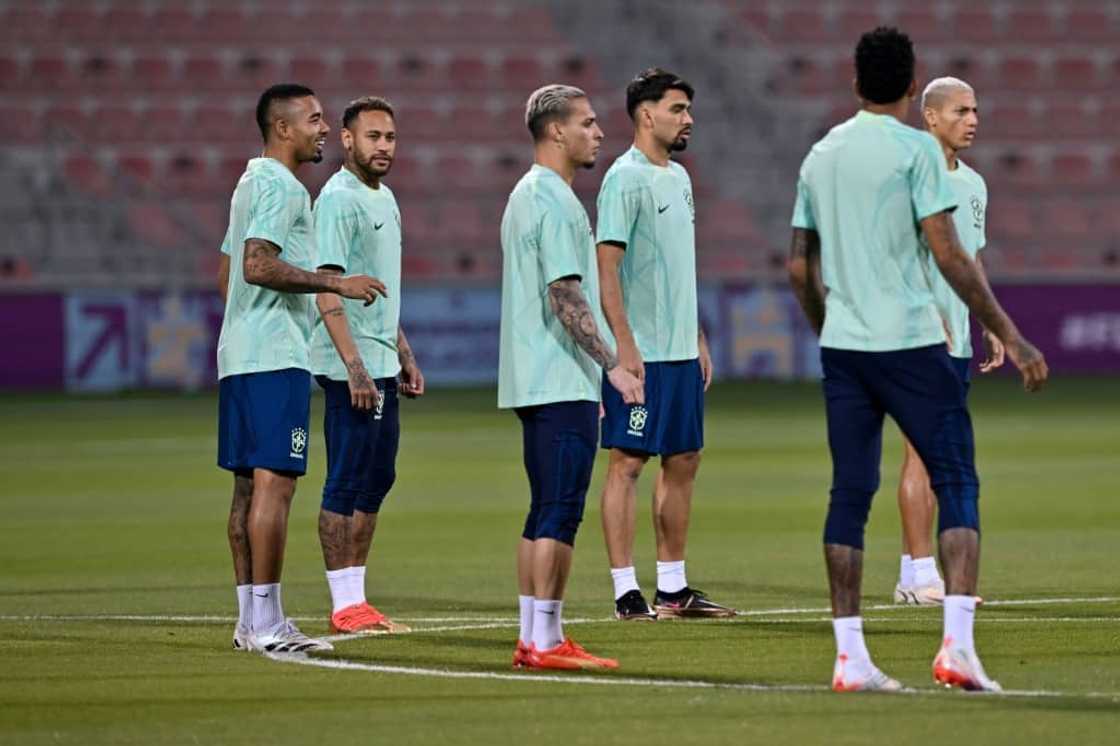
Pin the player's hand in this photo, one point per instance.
(994, 353)
(705, 363)
(1030, 363)
(412, 380)
(364, 395)
(629, 359)
(362, 287)
(632, 388)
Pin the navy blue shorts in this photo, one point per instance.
(559, 449)
(361, 447)
(962, 366)
(263, 421)
(672, 418)
(921, 390)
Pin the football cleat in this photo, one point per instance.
(241, 638)
(520, 655)
(958, 667)
(358, 618)
(867, 679)
(632, 606)
(286, 638)
(923, 595)
(689, 603)
(567, 656)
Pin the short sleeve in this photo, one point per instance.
(930, 190)
(336, 225)
(227, 242)
(272, 214)
(803, 208)
(558, 244)
(617, 207)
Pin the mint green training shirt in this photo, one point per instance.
(863, 188)
(358, 229)
(969, 218)
(649, 209)
(546, 236)
(264, 329)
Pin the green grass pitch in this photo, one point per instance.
(116, 590)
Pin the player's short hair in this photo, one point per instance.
(938, 88)
(274, 94)
(884, 65)
(651, 85)
(547, 104)
(366, 103)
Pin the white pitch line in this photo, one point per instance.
(608, 680)
(512, 620)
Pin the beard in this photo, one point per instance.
(678, 145)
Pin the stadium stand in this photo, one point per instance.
(141, 113)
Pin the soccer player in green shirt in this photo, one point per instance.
(551, 358)
(263, 365)
(951, 115)
(647, 265)
(357, 352)
(867, 194)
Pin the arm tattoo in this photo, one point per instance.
(805, 275)
(571, 308)
(965, 278)
(358, 374)
(404, 349)
(263, 266)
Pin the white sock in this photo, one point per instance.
(625, 580)
(547, 630)
(925, 571)
(960, 612)
(358, 583)
(670, 577)
(339, 582)
(526, 604)
(906, 571)
(267, 612)
(849, 639)
(245, 605)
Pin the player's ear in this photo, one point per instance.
(347, 138)
(929, 116)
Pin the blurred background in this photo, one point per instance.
(124, 125)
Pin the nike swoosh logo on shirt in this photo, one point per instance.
(261, 595)
(377, 226)
(661, 209)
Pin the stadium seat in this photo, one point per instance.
(204, 71)
(86, 173)
(152, 73)
(1077, 72)
(470, 73)
(256, 71)
(50, 73)
(187, 173)
(974, 24)
(1072, 169)
(523, 73)
(25, 23)
(801, 24)
(1088, 23)
(924, 23)
(115, 123)
(151, 224)
(417, 70)
(313, 71)
(11, 73)
(20, 124)
(1011, 218)
(102, 71)
(224, 23)
(66, 121)
(175, 22)
(1021, 73)
(137, 171)
(853, 21)
(1067, 218)
(164, 123)
(1030, 23)
(361, 72)
(76, 22)
(132, 23)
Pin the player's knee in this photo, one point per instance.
(627, 467)
(532, 522)
(369, 502)
(682, 465)
(847, 517)
(958, 506)
(560, 519)
(341, 502)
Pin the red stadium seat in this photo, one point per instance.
(360, 72)
(176, 22)
(532, 22)
(164, 124)
(50, 73)
(800, 24)
(1072, 168)
(25, 23)
(1090, 24)
(1012, 219)
(204, 72)
(1013, 119)
(854, 21)
(470, 73)
(213, 123)
(420, 71)
(924, 23)
(115, 124)
(256, 71)
(524, 73)
(153, 73)
(186, 173)
(20, 124)
(102, 71)
(1078, 73)
(66, 120)
(1037, 23)
(974, 24)
(225, 23)
(76, 22)
(1067, 218)
(229, 170)
(132, 23)
(1020, 73)
(137, 171)
(87, 174)
(11, 72)
(150, 223)
(311, 71)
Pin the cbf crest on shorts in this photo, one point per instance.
(299, 442)
(638, 417)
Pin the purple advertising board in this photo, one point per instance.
(113, 340)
